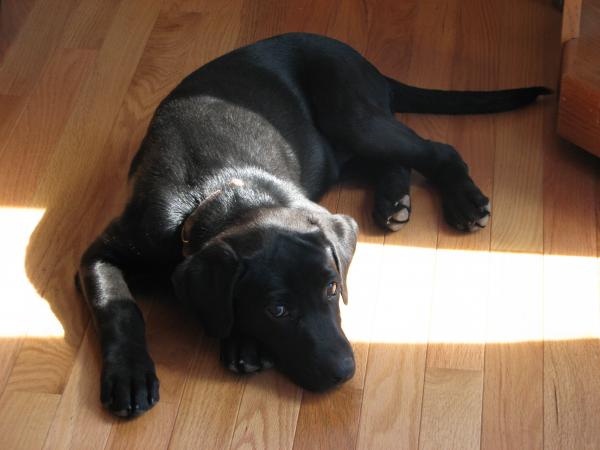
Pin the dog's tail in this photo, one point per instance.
(412, 99)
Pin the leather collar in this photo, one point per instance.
(189, 221)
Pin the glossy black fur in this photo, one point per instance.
(254, 138)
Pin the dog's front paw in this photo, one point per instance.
(392, 215)
(243, 354)
(129, 386)
(465, 207)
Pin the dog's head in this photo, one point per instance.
(279, 280)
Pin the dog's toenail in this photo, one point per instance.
(405, 201)
(401, 216)
(483, 221)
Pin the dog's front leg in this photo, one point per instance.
(129, 385)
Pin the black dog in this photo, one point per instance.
(223, 191)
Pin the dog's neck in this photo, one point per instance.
(188, 224)
(232, 202)
(201, 223)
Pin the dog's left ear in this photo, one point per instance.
(341, 232)
(206, 281)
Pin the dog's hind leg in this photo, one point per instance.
(380, 138)
(353, 111)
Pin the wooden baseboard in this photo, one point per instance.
(579, 104)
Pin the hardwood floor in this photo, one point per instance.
(489, 340)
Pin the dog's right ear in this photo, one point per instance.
(342, 232)
(206, 281)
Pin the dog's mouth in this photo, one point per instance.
(319, 377)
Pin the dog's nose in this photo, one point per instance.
(344, 370)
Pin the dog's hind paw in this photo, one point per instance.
(243, 354)
(392, 215)
(466, 208)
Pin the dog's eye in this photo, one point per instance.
(277, 311)
(332, 289)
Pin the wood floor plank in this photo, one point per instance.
(451, 355)
(173, 340)
(513, 397)
(93, 114)
(9, 351)
(329, 420)
(455, 352)
(392, 401)
(13, 14)
(391, 407)
(310, 16)
(459, 309)
(25, 418)
(88, 24)
(218, 32)
(571, 391)
(452, 400)
(350, 22)
(149, 432)
(270, 14)
(509, 205)
(200, 417)
(268, 413)
(515, 305)
(43, 365)
(25, 151)
(27, 57)
(34, 45)
(514, 360)
(11, 107)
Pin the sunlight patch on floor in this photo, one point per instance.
(571, 297)
(472, 297)
(22, 310)
(398, 294)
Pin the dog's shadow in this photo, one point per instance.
(73, 218)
